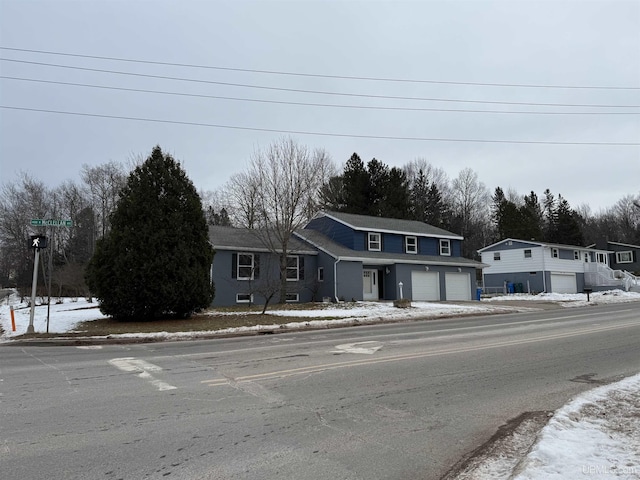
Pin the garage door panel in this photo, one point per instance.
(564, 283)
(425, 286)
(458, 286)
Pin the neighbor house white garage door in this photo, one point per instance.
(425, 286)
(458, 286)
(563, 283)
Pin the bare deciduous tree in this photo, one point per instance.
(104, 183)
(279, 193)
(20, 202)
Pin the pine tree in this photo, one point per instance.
(531, 218)
(378, 186)
(419, 196)
(568, 224)
(397, 202)
(437, 211)
(155, 261)
(507, 216)
(355, 186)
(550, 217)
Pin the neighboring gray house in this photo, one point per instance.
(371, 258)
(344, 257)
(245, 271)
(531, 266)
(622, 256)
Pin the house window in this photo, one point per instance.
(375, 242)
(411, 244)
(576, 255)
(555, 253)
(293, 268)
(527, 253)
(624, 257)
(244, 298)
(321, 274)
(445, 247)
(245, 266)
(292, 297)
(496, 256)
(586, 258)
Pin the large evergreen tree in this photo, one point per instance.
(437, 209)
(531, 218)
(355, 186)
(396, 201)
(378, 186)
(155, 260)
(568, 229)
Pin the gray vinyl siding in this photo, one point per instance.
(227, 287)
(629, 267)
(531, 281)
(349, 285)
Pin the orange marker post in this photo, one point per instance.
(13, 320)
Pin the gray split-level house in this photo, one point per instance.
(344, 257)
(533, 267)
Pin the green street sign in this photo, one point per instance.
(39, 222)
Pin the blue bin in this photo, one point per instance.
(478, 293)
(511, 288)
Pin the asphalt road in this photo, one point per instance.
(401, 401)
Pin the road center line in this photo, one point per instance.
(411, 356)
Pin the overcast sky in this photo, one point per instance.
(480, 51)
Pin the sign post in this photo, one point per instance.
(37, 242)
(40, 222)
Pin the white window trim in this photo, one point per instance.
(528, 253)
(601, 258)
(296, 268)
(445, 247)
(371, 240)
(252, 266)
(555, 253)
(496, 256)
(296, 297)
(619, 256)
(250, 300)
(576, 255)
(414, 246)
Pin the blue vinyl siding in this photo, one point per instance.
(393, 243)
(337, 232)
(428, 246)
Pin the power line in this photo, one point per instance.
(317, 92)
(323, 134)
(314, 75)
(305, 104)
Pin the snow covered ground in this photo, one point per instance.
(596, 435)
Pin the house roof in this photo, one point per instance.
(623, 244)
(230, 238)
(388, 225)
(540, 244)
(338, 251)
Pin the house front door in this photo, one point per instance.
(370, 284)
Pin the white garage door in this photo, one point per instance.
(425, 286)
(563, 283)
(458, 286)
